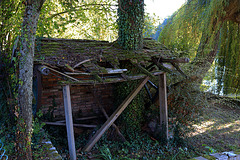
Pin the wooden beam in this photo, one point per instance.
(75, 125)
(39, 90)
(179, 69)
(69, 122)
(148, 91)
(113, 80)
(87, 118)
(78, 64)
(176, 60)
(114, 125)
(62, 74)
(114, 116)
(163, 105)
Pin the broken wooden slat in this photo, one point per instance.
(109, 71)
(69, 121)
(168, 66)
(63, 74)
(75, 125)
(62, 121)
(176, 60)
(69, 68)
(78, 73)
(115, 71)
(160, 66)
(148, 91)
(87, 60)
(179, 69)
(163, 105)
(79, 119)
(157, 73)
(152, 84)
(114, 125)
(114, 116)
(87, 118)
(144, 71)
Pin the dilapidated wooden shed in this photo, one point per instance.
(70, 74)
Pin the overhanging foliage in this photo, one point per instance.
(202, 27)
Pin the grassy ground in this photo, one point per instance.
(219, 129)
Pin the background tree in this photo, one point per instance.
(79, 19)
(130, 37)
(22, 17)
(204, 29)
(27, 46)
(130, 24)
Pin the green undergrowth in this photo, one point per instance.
(138, 146)
(141, 146)
(39, 149)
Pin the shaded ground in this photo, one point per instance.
(219, 130)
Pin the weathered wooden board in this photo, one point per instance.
(69, 122)
(114, 116)
(163, 104)
(75, 125)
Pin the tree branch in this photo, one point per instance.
(78, 8)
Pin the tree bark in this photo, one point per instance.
(27, 39)
(130, 23)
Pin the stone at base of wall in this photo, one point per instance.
(220, 156)
(52, 152)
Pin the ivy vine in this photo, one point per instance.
(130, 22)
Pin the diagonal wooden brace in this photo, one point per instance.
(114, 116)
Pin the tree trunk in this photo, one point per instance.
(27, 39)
(130, 23)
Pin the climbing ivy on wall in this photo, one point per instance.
(130, 24)
(132, 118)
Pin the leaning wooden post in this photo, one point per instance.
(163, 106)
(115, 115)
(69, 122)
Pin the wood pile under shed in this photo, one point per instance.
(90, 62)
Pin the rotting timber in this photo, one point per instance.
(89, 62)
(100, 61)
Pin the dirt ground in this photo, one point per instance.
(219, 130)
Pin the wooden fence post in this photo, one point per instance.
(163, 106)
(69, 122)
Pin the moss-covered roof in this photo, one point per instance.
(90, 57)
(58, 52)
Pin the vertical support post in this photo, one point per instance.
(163, 106)
(39, 90)
(69, 122)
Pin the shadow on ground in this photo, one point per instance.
(219, 130)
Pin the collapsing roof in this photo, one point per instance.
(90, 61)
